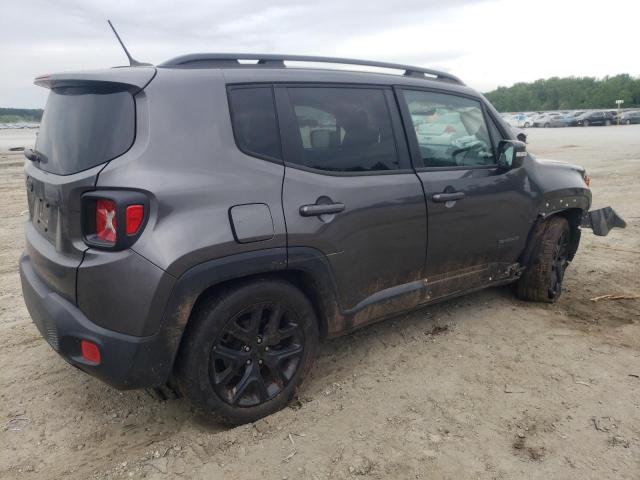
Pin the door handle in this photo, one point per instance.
(448, 197)
(321, 209)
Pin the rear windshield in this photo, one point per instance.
(83, 127)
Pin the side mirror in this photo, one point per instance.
(511, 154)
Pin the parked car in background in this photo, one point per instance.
(550, 120)
(519, 120)
(627, 118)
(597, 117)
(572, 118)
(537, 117)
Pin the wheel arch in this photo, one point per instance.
(300, 279)
(305, 268)
(573, 216)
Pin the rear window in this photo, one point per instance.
(255, 125)
(344, 129)
(83, 127)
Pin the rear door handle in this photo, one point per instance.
(448, 197)
(321, 209)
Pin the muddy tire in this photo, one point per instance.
(246, 351)
(548, 260)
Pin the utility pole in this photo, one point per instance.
(618, 103)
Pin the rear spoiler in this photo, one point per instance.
(133, 79)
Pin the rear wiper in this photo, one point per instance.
(35, 155)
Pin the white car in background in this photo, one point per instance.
(519, 120)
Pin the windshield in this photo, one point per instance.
(83, 127)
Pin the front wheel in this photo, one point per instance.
(585, 123)
(607, 123)
(546, 125)
(527, 124)
(247, 351)
(544, 273)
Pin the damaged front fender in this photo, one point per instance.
(601, 221)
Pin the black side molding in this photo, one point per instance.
(602, 221)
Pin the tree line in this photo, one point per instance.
(10, 115)
(567, 93)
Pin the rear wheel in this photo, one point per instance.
(247, 351)
(543, 276)
(546, 125)
(585, 123)
(627, 122)
(527, 124)
(607, 123)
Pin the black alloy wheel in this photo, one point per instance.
(247, 349)
(559, 265)
(256, 355)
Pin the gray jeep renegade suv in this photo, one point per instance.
(203, 223)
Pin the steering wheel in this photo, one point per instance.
(466, 149)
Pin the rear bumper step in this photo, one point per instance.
(601, 221)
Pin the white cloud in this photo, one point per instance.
(486, 43)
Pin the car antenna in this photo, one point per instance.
(132, 61)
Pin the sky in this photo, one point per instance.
(487, 43)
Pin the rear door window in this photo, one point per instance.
(342, 129)
(83, 127)
(254, 120)
(451, 130)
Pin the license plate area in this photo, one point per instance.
(42, 214)
(43, 210)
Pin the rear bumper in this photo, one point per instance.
(127, 361)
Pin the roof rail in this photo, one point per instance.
(210, 60)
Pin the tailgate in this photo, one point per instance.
(89, 119)
(53, 236)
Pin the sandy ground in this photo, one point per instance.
(481, 387)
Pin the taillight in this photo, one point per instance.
(106, 222)
(135, 216)
(113, 219)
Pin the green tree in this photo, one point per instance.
(567, 93)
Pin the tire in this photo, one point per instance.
(239, 359)
(585, 123)
(546, 125)
(627, 122)
(607, 123)
(527, 124)
(543, 275)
